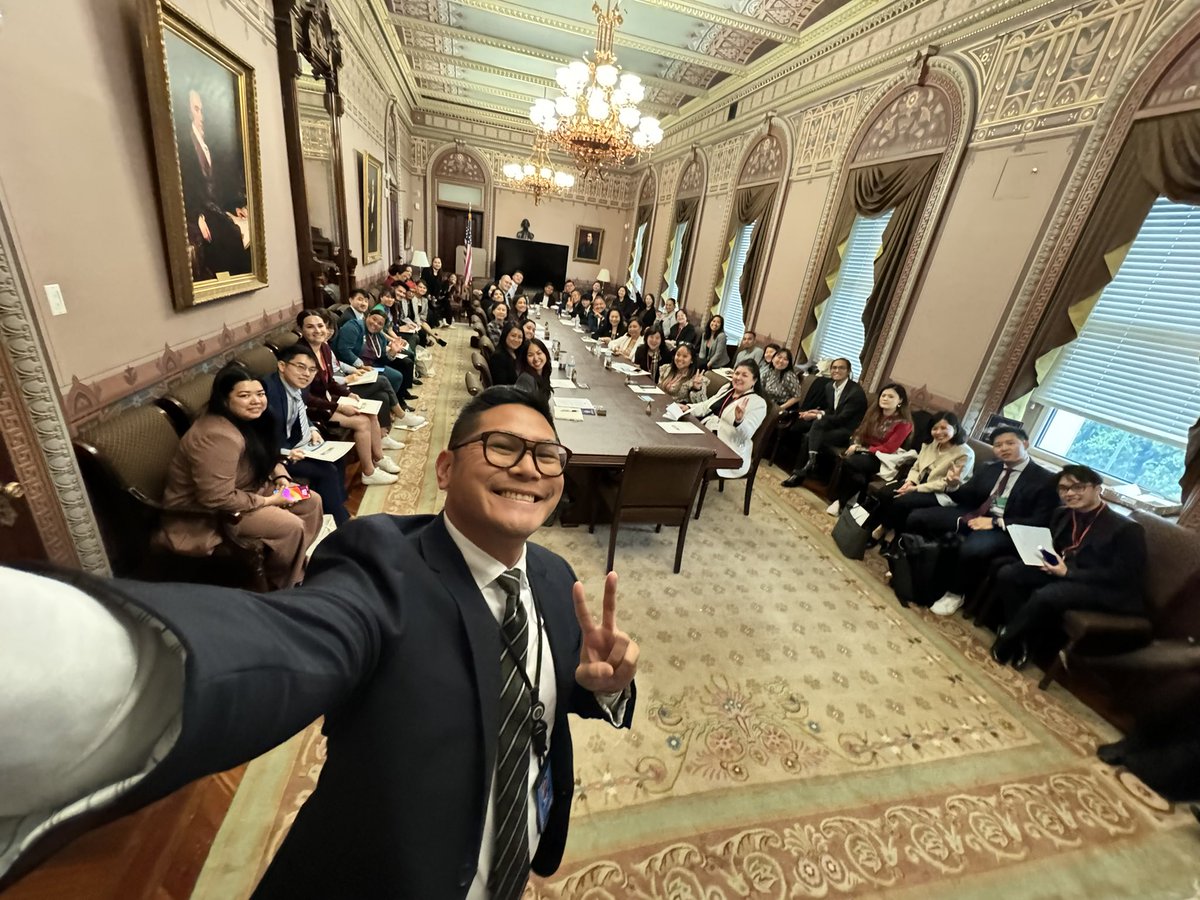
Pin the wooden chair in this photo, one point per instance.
(186, 401)
(124, 461)
(259, 361)
(658, 485)
(474, 383)
(481, 366)
(762, 438)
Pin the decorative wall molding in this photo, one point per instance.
(86, 400)
(691, 182)
(35, 431)
(914, 124)
(821, 132)
(1156, 55)
(765, 162)
(1056, 72)
(1180, 87)
(725, 159)
(314, 137)
(953, 79)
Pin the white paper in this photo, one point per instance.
(645, 389)
(572, 403)
(562, 384)
(1027, 539)
(627, 369)
(327, 528)
(589, 340)
(370, 407)
(330, 451)
(673, 412)
(369, 377)
(680, 428)
(568, 414)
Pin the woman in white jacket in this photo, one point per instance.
(735, 412)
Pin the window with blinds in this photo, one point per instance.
(731, 294)
(1123, 395)
(840, 332)
(675, 261)
(635, 271)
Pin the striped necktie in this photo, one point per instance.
(510, 858)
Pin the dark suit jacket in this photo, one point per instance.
(277, 407)
(685, 335)
(391, 641)
(1111, 555)
(503, 367)
(1033, 498)
(814, 397)
(850, 411)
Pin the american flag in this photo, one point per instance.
(467, 255)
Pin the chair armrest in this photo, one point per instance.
(221, 516)
(1106, 632)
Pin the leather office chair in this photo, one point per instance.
(481, 366)
(259, 361)
(486, 347)
(281, 340)
(124, 461)
(762, 439)
(658, 485)
(474, 385)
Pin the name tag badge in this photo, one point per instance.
(543, 794)
(1000, 503)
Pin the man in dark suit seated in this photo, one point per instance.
(286, 403)
(843, 403)
(444, 652)
(1010, 490)
(1100, 565)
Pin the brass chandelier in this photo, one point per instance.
(538, 175)
(596, 119)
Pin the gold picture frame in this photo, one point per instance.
(589, 243)
(204, 120)
(370, 186)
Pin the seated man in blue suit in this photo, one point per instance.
(1010, 490)
(286, 405)
(443, 651)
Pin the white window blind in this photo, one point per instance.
(840, 332)
(639, 246)
(1136, 363)
(676, 260)
(731, 295)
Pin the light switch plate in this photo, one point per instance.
(54, 297)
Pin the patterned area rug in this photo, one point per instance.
(797, 734)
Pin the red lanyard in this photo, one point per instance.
(725, 403)
(1076, 537)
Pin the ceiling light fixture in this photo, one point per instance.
(596, 119)
(538, 175)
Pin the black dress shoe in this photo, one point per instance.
(1020, 658)
(1004, 647)
(1113, 754)
(441, 343)
(793, 481)
(417, 382)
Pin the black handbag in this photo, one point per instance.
(852, 539)
(919, 569)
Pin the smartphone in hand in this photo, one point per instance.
(1049, 556)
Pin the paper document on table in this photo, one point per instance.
(370, 407)
(588, 340)
(572, 403)
(563, 384)
(369, 377)
(627, 369)
(646, 389)
(680, 428)
(329, 451)
(568, 414)
(673, 412)
(1027, 539)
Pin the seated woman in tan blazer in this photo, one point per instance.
(226, 461)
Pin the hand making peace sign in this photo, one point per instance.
(607, 655)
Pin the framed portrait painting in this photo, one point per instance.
(588, 242)
(370, 185)
(204, 118)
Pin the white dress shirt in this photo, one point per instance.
(1001, 499)
(485, 570)
(838, 387)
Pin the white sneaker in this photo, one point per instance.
(379, 477)
(834, 508)
(410, 422)
(948, 605)
(390, 443)
(388, 465)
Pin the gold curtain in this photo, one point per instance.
(871, 191)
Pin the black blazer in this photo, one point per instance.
(850, 411)
(814, 397)
(391, 641)
(641, 359)
(1112, 554)
(648, 317)
(1034, 497)
(503, 367)
(686, 335)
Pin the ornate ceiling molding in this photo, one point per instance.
(1155, 56)
(732, 19)
(511, 10)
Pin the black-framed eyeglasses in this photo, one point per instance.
(1075, 487)
(504, 450)
(302, 368)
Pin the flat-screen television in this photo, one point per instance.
(540, 261)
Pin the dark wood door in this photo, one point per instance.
(452, 232)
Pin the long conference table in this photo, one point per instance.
(605, 441)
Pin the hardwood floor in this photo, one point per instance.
(153, 854)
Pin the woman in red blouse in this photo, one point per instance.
(885, 428)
